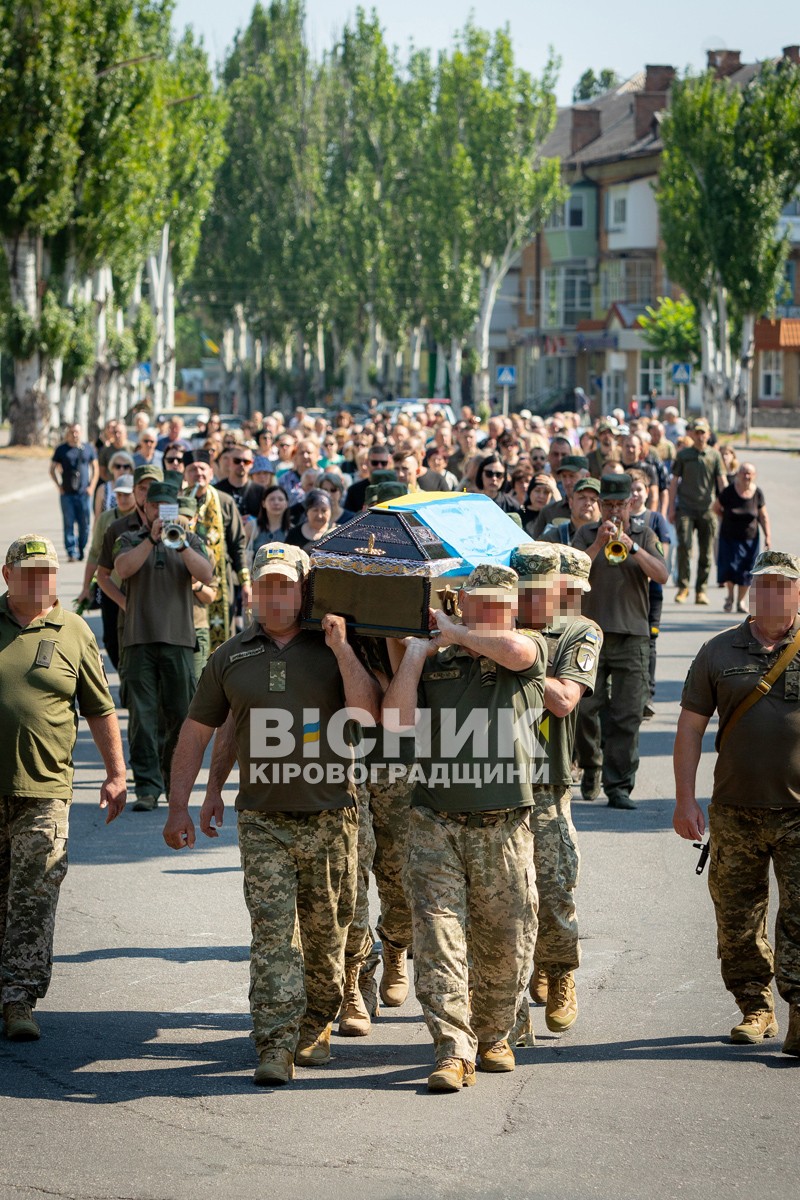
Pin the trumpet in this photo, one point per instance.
(616, 551)
(173, 535)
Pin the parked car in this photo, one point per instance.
(415, 408)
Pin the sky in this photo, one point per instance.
(621, 34)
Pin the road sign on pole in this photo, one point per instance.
(681, 373)
(506, 376)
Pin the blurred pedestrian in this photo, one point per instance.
(743, 510)
(74, 470)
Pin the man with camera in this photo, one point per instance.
(158, 638)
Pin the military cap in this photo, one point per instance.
(573, 462)
(376, 479)
(489, 579)
(700, 424)
(161, 492)
(387, 491)
(276, 558)
(123, 485)
(533, 560)
(615, 487)
(608, 426)
(588, 485)
(31, 550)
(775, 562)
(187, 506)
(148, 471)
(173, 479)
(575, 566)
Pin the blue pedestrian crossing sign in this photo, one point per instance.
(681, 372)
(506, 376)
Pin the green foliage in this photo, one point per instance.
(20, 332)
(55, 327)
(144, 332)
(671, 330)
(79, 353)
(189, 345)
(471, 362)
(121, 350)
(23, 336)
(590, 85)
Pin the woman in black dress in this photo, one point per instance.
(742, 509)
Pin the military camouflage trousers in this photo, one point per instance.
(481, 879)
(557, 861)
(33, 863)
(744, 841)
(300, 888)
(383, 813)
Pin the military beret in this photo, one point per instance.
(533, 560)
(575, 566)
(148, 471)
(491, 578)
(31, 550)
(615, 487)
(775, 562)
(573, 462)
(588, 485)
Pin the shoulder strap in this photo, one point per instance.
(764, 685)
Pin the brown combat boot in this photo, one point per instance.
(538, 986)
(755, 1026)
(562, 1004)
(19, 1022)
(451, 1074)
(522, 1034)
(275, 1067)
(353, 1016)
(313, 1049)
(394, 981)
(495, 1056)
(791, 1044)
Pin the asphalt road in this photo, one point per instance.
(141, 1084)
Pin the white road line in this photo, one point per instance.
(23, 493)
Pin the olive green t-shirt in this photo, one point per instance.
(48, 670)
(283, 700)
(698, 474)
(620, 597)
(461, 691)
(158, 598)
(112, 533)
(572, 654)
(759, 764)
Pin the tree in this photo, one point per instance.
(731, 162)
(590, 85)
(671, 330)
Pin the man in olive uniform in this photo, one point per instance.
(49, 666)
(469, 870)
(754, 815)
(698, 476)
(570, 470)
(584, 507)
(276, 693)
(158, 642)
(553, 580)
(619, 603)
(607, 450)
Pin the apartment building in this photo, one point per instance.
(588, 276)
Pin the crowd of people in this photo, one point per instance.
(203, 559)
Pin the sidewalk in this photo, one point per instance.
(784, 441)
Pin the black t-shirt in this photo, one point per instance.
(740, 514)
(247, 499)
(74, 462)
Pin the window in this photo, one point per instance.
(617, 211)
(627, 281)
(771, 375)
(784, 298)
(653, 376)
(566, 297)
(530, 295)
(569, 215)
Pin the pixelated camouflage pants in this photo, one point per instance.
(557, 861)
(33, 863)
(744, 841)
(383, 813)
(300, 889)
(456, 876)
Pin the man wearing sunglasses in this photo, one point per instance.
(380, 459)
(247, 496)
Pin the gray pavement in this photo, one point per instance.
(140, 1087)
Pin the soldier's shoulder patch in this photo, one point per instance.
(586, 658)
(591, 635)
(454, 674)
(251, 653)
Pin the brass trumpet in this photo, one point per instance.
(616, 551)
(173, 535)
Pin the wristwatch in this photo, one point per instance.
(635, 548)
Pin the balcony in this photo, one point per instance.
(626, 281)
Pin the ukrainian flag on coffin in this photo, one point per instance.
(470, 525)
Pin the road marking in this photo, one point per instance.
(23, 493)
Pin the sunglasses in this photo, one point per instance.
(379, 462)
(494, 474)
(120, 466)
(173, 461)
(241, 461)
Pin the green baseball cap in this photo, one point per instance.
(148, 471)
(32, 550)
(161, 493)
(535, 560)
(490, 579)
(573, 462)
(575, 567)
(775, 562)
(588, 485)
(276, 558)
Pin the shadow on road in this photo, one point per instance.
(179, 954)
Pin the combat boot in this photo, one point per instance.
(791, 1044)
(495, 1056)
(755, 1026)
(275, 1067)
(451, 1074)
(621, 800)
(538, 986)
(394, 981)
(562, 1003)
(353, 1016)
(313, 1049)
(19, 1022)
(145, 803)
(590, 783)
(522, 1034)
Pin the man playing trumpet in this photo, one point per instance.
(622, 566)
